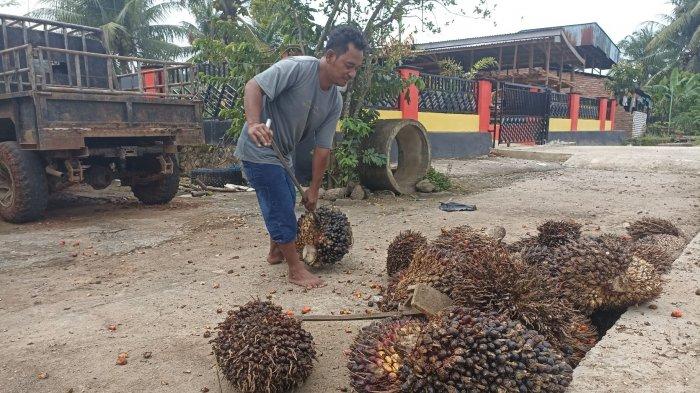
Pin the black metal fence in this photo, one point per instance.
(447, 94)
(217, 96)
(588, 108)
(384, 101)
(558, 104)
(522, 114)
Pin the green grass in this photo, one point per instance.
(440, 180)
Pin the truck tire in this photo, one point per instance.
(24, 191)
(161, 191)
(218, 177)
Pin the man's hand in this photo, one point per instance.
(310, 198)
(260, 134)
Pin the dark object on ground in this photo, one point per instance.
(413, 156)
(456, 207)
(218, 177)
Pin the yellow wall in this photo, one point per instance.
(449, 122)
(389, 114)
(559, 124)
(608, 125)
(588, 125)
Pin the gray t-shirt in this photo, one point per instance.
(299, 109)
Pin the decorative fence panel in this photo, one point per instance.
(558, 105)
(588, 108)
(447, 94)
(522, 114)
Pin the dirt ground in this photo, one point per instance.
(159, 274)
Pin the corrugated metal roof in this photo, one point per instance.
(489, 40)
(586, 40)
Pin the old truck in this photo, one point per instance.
(71, 112)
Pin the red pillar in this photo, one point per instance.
(409, 107)
(602, 112)
(483, 105)
(613, 107)
(574, 103)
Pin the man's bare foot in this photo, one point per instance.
(275, 258)
(305, 278)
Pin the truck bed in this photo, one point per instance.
(63, 120)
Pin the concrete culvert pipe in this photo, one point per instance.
(413, 156)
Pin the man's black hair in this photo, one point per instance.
(342, 36)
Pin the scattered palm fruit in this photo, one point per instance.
(677, 313)
(261, 349)
(463, 350)
(401, 250)
(378, 352)
(324, 237)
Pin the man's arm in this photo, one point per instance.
(319, 164)
(252, 105)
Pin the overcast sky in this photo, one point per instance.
(617, 17)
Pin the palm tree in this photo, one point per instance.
(131, 27)
(681, 35)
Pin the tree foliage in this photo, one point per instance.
(681, 35)
(677, 101)
(131, 27)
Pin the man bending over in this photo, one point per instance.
(300, 95)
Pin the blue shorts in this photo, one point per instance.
(276, 197)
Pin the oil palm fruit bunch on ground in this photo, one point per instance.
(377, 355)
(261, 349)
(463, 350)
(324, 236)
(652, 226)
(553, 233)
(477, 272)
(525, 294)
(657, 241)
(660, 250)
(437, 264)
(401, 250)
(596, 273)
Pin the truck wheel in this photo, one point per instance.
(160, 191)
(24, 191)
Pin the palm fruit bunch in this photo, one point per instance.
(525, 294)
(596, 273)
(463, 350)
(324, 236)
(437, 264)
(554, 233)
(657, 241)
(660, 250)
(477, 272)
(261, 349)
(652, 226)
(378, 352)
(401, 250)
